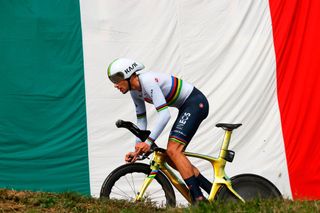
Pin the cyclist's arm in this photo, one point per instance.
(159, 101)
(140, 112)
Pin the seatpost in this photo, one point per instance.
(225, 144)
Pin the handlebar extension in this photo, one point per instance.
(142, 134)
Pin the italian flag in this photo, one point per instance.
(256, 61)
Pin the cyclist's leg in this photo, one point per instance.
(185, 168)
(195, 169)
(180, 161)
(191, 114)
(204, 183)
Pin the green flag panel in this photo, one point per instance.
(43, 132)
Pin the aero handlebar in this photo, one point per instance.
(142, 134)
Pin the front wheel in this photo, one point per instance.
(249, 187)
(125, 181)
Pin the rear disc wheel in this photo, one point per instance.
(249, 187)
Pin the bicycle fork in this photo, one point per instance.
(159, 162)
(155, 165)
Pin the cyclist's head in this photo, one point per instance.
(123, 68)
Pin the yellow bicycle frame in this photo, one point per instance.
(220, 178)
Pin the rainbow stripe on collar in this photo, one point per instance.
(175, 90)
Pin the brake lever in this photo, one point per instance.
(146, 155)
(143, 156)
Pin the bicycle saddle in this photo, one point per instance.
(228, 127)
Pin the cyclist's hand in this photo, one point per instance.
(142, 148)
(131, 157)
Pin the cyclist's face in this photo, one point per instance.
(122, 86)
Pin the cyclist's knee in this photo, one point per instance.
(174, 149)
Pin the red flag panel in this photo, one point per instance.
(296, 32)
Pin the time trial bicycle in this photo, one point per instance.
(153, 182)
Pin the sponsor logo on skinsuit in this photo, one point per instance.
(183, 120)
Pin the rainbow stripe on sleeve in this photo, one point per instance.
(141, 115)
(162, 107)
(175, 90)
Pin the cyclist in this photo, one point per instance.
(163, 91)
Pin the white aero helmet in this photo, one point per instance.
(123, 68)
